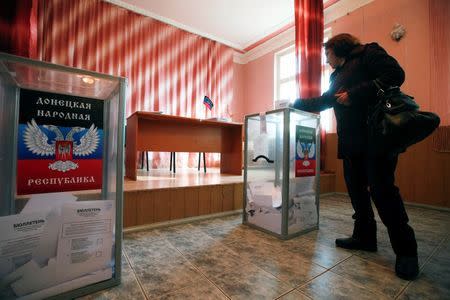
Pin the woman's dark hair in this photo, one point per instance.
(342, 44)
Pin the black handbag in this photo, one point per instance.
(395, 122)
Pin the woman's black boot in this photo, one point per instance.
(356, 244)
(407, 267)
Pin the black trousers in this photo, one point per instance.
(374, 178)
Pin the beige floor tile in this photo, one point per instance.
(159, 277)
(332, 286)
(144, 251)
(294, 295)
(287, 266)
(202, 289)
(371, 275)
(129, 288)
(248, 282)
(321, 254)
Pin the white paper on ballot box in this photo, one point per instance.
(19, 237)
(264, 193)
(51, 204)
(84, 246)
(264, 202)
(304, 212)
(86, 236)
(301, 185)
(47, 202)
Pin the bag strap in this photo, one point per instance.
(380, 91)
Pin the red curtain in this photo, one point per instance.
(168, 69)
(308, 47)
(18, 27)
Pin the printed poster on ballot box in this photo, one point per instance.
(305, 156)
(60, 143)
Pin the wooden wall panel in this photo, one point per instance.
(228, 197)
(334, 165)
(331, 152)
(238, 195)
(216, 199)
(177, 208)
(339, 183)
(152, 206)
(145, 213)
(161, 199)
(191, 196)
(327, 183)
(129, 209)
(204, 200)
(422, 175)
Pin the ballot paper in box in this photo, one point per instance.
(264, 202)
(53, 250)
(281, 172)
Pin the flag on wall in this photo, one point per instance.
(208, 102)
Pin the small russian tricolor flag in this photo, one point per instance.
(208, 102)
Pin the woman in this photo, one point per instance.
(367, 175)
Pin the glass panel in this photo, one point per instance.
(57, 81)
(264, 171)
(8, 104)
(303, 160)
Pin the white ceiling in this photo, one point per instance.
(236, 23)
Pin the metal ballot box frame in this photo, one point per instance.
(61, 168)
(282, 172)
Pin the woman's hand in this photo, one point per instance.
(342, 98)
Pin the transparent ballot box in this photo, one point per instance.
(281, 172)
(61, 173)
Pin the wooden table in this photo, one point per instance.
(147, 131)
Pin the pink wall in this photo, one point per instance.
(258, 76)
(238, 93)
(423, 53)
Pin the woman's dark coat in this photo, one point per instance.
(364, 64)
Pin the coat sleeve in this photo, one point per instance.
(315, 104)
(379, 65)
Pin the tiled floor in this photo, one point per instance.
(222, 259)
